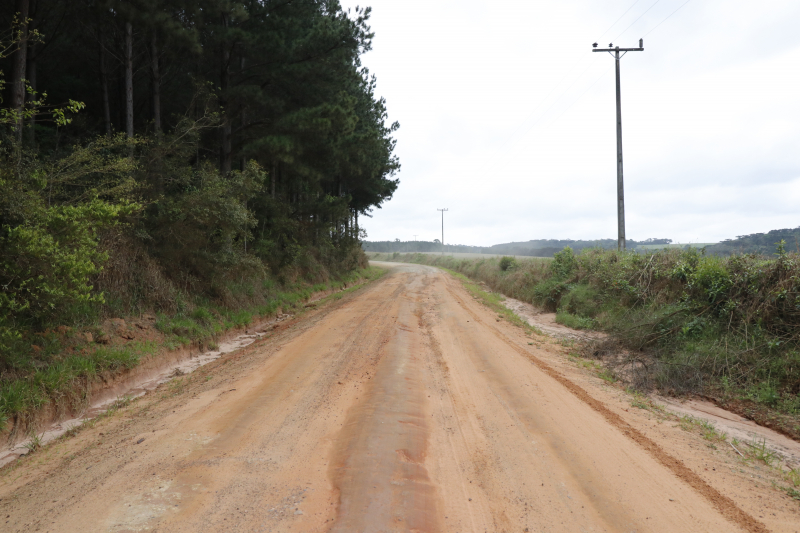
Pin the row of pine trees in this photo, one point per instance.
(203, 139)
(286, 76)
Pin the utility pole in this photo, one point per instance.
(442, 210)
(620, 189)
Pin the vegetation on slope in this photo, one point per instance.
(200, 155)
(680, 321)
(58, 368)
(757, 243)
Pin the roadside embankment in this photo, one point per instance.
(70, 371)
(677, 321)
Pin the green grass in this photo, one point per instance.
(792, 493)
(641, 401)
(574, 321)
(608, 375)
(759, 451)
(66, 380)
(793, 476)
(706, 429)
(494, 301)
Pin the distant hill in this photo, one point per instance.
(758, 243)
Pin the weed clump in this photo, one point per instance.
(507, 263)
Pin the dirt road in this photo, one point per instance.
(406, 406)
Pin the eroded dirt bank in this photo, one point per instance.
(405, 406)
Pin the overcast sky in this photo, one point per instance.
(507, 118)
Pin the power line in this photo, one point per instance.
(637, 20)
(569, 71)
(546, 98)
(668, 16)
(620, 18)
(538, 120)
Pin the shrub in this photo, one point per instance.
(574, 321)
(563, 264)
(507, 263)
(548, 294)
(583, 300)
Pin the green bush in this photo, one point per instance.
(507, 263)
(574, 321)
(563, 264)
(547, 294)
(582, 299)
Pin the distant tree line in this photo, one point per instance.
(533, 248)
(758, 243)
(755, 243)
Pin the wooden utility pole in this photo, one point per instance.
(620, 189)
(442, 210)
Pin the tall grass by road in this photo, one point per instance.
(678, 320)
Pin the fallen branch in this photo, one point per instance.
(737, 451)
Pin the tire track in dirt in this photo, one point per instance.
(379, 460)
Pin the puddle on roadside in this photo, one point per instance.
(148, 382)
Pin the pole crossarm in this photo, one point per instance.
(617, 49)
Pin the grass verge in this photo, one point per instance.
(493, 301)
(60, 369)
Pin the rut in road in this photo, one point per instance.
(404, 407)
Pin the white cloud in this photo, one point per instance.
(507, 118)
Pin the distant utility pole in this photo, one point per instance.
(620, 189)
(442, 210)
